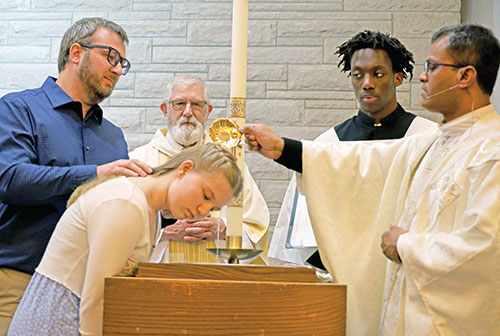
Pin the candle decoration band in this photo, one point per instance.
(238, 107)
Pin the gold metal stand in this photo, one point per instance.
(234, 253)
(224, 132)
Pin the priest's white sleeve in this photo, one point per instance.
(344, 184)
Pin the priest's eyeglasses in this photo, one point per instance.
(114, 56)
(430, 66)
(180, 105)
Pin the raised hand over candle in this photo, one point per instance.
(263, 140)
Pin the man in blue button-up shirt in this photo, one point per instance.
(53, 139)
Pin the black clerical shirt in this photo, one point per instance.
(358, 128)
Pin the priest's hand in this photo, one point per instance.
(206, 229)
(200, 231)
(176, 231)
(390, 241)
(262, 139)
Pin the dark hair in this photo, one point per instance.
(81, 32)
(474, 45)
(401, 58)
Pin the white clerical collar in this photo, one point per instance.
(455, 128)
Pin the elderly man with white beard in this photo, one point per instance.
(186, 106)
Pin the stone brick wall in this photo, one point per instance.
(294, 84)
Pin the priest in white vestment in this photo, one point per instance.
(435, 200)
(186, 107)
(377, 64)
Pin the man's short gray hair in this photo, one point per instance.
(81, 31)
(184, 81)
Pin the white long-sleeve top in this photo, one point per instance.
(106, 232)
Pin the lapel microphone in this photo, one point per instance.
(445, 90)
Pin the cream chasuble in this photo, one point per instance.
(441, 185)
(283, 248)
(255, 211)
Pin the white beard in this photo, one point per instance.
(188, 134)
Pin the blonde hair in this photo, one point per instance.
(86, 187)
(209, 158)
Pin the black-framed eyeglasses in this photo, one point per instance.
(428, 65)
(180, 104)
(114, 56)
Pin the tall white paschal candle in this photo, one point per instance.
(238, 104)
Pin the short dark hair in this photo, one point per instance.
(475, 45)
(81, 31)
(401, 58)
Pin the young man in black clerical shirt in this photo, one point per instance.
(377, 64)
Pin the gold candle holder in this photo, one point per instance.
(225, 132)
